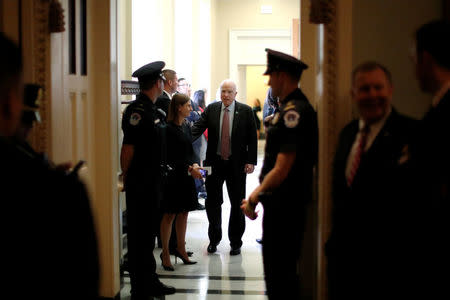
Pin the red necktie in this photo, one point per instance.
(225, 139)
(359, 151)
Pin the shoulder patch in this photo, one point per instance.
(291, 118)
(289, 105)
(135, 118)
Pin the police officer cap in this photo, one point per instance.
(278, 61)
(32, 96)
(150, 71)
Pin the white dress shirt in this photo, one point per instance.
(373, 133)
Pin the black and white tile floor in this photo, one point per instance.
(218, 275)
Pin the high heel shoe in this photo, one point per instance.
(167, 268)
(186, 261)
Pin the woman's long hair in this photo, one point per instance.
(177, 101)
(199, 98)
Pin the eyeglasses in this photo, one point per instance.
(185, 84)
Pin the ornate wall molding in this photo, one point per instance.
(331, 97)
(328, 116)
(40, 66)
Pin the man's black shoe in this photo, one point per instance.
(162, 289)
(212, 248)
(200, 206)
(235, 251)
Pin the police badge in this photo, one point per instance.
(291, 118)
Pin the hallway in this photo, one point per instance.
(218, 275)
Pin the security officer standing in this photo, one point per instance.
(286, 176)
(141, 162)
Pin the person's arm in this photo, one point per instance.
(126, 155)
(252, 139)
(200, 125)
(272, 180)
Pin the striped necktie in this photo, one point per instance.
(225, 139)
(359, 152)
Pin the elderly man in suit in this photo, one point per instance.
(231, 153)
(430, 159)
(366, 199)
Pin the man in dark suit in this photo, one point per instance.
(364, 243)
(231, 153)
(430, 159)
(170, 88)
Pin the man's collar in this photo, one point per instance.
(230, 107)
(440, 94)
(168, 94)
(146, 97)
(376, 124)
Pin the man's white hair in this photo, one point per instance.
(229, 81)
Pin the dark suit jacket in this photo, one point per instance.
(49, 228)
(366, 215)
(430, 159)
(243, 134)
(431, 152)
(163, 102)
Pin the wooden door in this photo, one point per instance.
(70, 108)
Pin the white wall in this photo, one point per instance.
(177, 32)
(152, 32)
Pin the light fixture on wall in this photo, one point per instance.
(266, 9)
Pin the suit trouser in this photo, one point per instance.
(142, 225)
(282, 240)
(234, 177)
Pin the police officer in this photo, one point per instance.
(141, 158)
(286, 176)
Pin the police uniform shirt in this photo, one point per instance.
(293, 129)
(141, 125)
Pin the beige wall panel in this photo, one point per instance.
(103, 99)
(74, 122)
(256, 85)
(125, 42)
(383, 31)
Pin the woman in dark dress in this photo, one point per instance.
(180, 195)
(257, 108)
